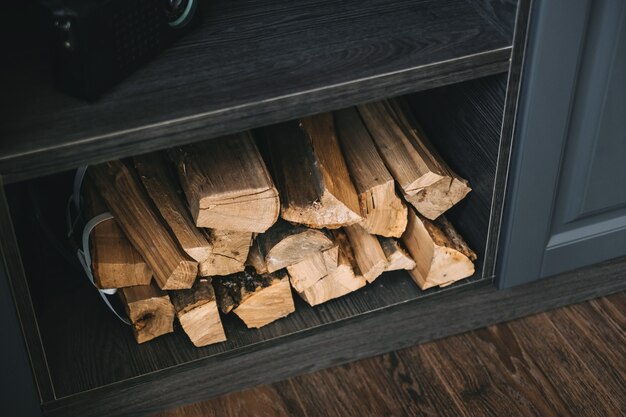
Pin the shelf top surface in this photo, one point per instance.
(250, 63)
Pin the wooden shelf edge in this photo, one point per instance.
(89, 150)
(396, 327)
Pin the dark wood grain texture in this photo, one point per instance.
(18, 285)
(485, 372)
(307, 351)
(513, 368)
(254, 63)
(570, 374)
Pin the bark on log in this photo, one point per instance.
(256, 299)
(311, 174)
(286, 244)
(196, 309)
(397, 257)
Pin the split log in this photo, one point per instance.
(256, 260)
(149, 310)
(285, 244)
(161, 185)
(311, 174)
(344, 280)
(115, 263)
(227, 184)
(256, 299)
(368, 253)
(196, 309)
(134, 212)
(314, 267)
(229, 253)
(426, 180)
(397, 257)
(440, 253)
(383, 211)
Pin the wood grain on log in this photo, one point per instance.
(312, 268)
(285, 244)
(368, 253)
(344, 280)
(115, 263)
(256, 299)
(128, 202)
(440, 253)
(162, 186)
(311, 174)
(196, 309)
(397, 257)
(227, 184)
(229, 252)
(384, 213)
(425, 179)
(150, 311)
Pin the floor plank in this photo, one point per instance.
(506, 359)
(603, 349)
(275, 400)
(382, 386)
(566, 362)
(469, 382)
(575, 384)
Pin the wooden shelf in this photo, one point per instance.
(88, 350)
(251, 63)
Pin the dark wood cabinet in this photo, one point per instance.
(460, 65)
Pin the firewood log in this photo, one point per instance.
(314, 267)
(196, 309)
(440, 253)
(397, 257)
(150, 311)
(129, 203)
(285, 244)
(162, 186)
(256, 299)
(256, 260)
(426, 180)
(368, 253)
(229, 253)
(344, 280)
(227, 184)
(311, 173)
(115, 263)
(383, 211)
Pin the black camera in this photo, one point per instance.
(98, 42)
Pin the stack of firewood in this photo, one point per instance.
(217, 227)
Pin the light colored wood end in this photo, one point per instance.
(267, 305)
(203, 325)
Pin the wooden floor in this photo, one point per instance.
(566, 362)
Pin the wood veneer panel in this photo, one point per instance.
(250, 63)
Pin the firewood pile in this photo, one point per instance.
(317, 207)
